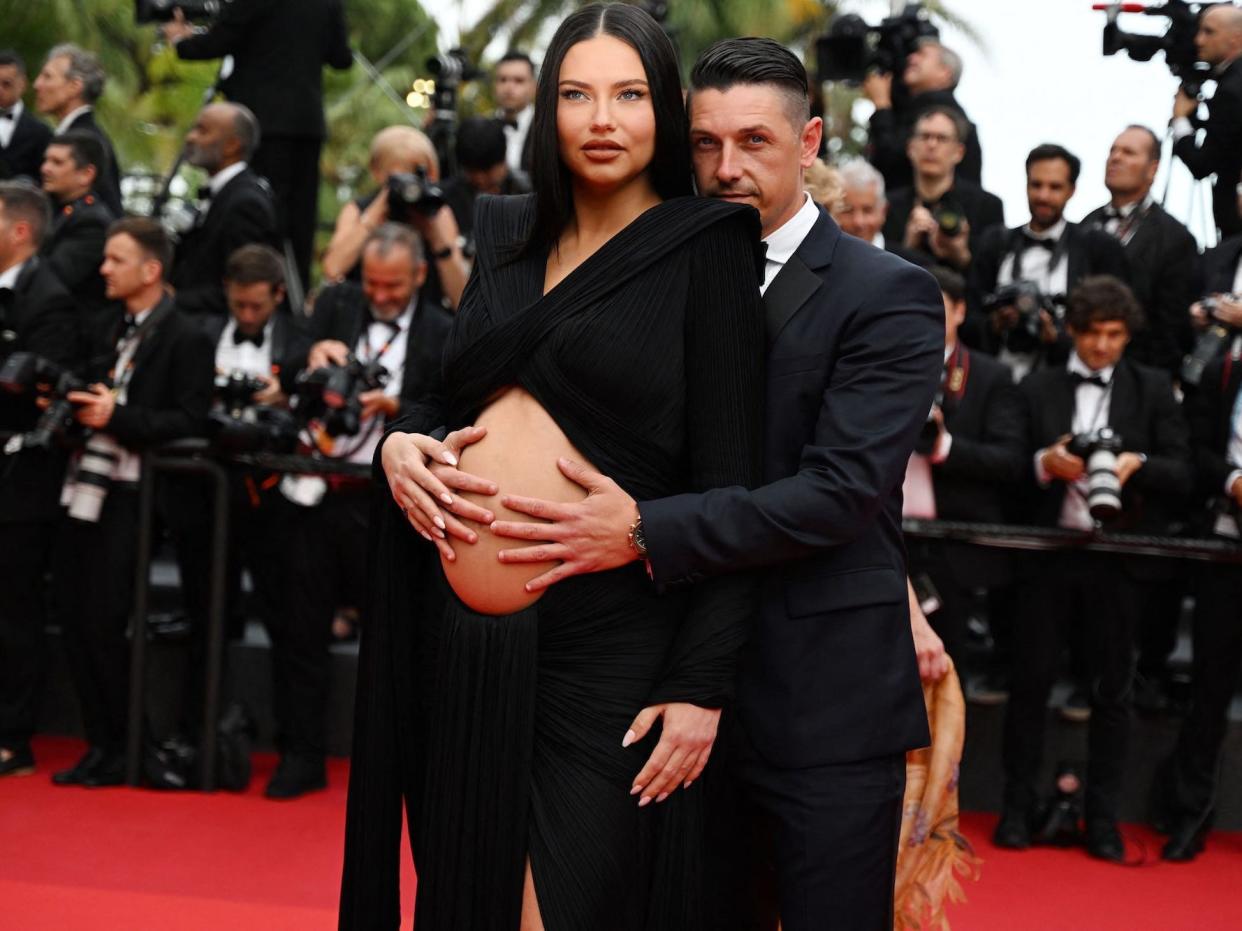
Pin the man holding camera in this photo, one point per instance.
(74, 248)
(386, 322)
(1107, 441)
(36, 316)
(941, 216)
(1020, 276)
(1219, 43)
(23, 137)
(236, 206)
(153, 384)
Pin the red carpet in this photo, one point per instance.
(136, 860)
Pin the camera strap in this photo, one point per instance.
(122, 369)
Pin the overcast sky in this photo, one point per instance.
(1038, 76)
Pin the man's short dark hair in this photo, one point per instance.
(1102, 299)
(150, 236)
(85, 148)
(951, 282)
(960, 126)
(26, 203)
(480, 143)
(517, 55)
(1050, 151)
(753, 60)
(9, 57)
(255, 263)
(1152, 138)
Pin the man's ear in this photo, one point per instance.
(812, 136)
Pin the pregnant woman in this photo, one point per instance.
(611, 318)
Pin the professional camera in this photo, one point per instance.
(1178, 42)
(163, 11)
(1211, 343)
(1099, 451)
(453, 68)
(412, 193)
(24, 372)
(851, 48)
(240, 425)
(948, 216)
(331, 394)
(1028, 299)
(926, 441)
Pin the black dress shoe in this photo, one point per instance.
(109, 771)
(1104, 841)
(1186, 839)
(1013, 831)
(295, 776)
(17, 761)
(76, 774)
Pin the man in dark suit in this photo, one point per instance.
(1163, 256)
(1051, 253)
(37, 316)
(74, 249)
(279, 48)
(67, 88)
(22, 137)
(1096, 389)
(932, 73)
(828, 698)
(1219, 41)
(236, 207)
(154, 375)
(513, 85)
(388, 321)
(941, 215)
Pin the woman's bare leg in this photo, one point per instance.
(531, 919)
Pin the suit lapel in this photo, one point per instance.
(790, 289)
(1123, 401)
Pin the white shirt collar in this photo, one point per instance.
(17, 110)
(1076, 365)
(1127, 210)
(784, 241)
(407, 315)
(222, 177)
(9, 278)
(142, 315)
(63, 126)
(1052, 233)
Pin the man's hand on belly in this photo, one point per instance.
(591, 535)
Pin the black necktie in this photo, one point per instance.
(256, 338)
(1077, 378)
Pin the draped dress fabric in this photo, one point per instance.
(502, 734)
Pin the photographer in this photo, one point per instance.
(75, 245)
(513, 86)
(399, 151)
(1043, 260)
(37, 316)
(386, 322)
(1107, 440)
(1219, 43)
(932, 72)
(941, 216)
(481, 169)
(23, 137)
(154, 376)
(236, 206)
(278, 49)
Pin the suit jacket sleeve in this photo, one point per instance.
(984, 270)
(250, 220)
(879, 391)
(1167, 472)
(229, 32)
(53, 330)
(336, 51)
(1223, 138)
(992, 456)
(1174, 289)
(192, 373)
(77, 257)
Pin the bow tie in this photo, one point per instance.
(6, 115)
(510, 122)
(129, 323)
(1077, 378)
(256, 339)
(1033, 241)
(205, 192)
(392, 325)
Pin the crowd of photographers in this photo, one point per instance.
(1092, 377)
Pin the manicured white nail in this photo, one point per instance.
(661, 797)
(636, 790)
(447, 499)
(426, 535)
(644, 801)
(688, 783)
(439, 522)
(449, 458)
(628, 739)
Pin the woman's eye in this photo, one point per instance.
(632, 94)
(572, 94)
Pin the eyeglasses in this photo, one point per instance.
(939, 138)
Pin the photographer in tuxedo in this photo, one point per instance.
(235, 207)
(388, 320)
(1219, 43)
(153, 375)
(279, 49)
(1105, 440)
(37, 316)
(1051, 255)
(23, 137)
(74, 247)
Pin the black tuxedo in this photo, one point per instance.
(23, 156)
(1220, 266)
(828, 686)
(74, 249)
(890, 130)
(1164, 272)
(108, 183)
(982, 210)
(290, 344)
(241, 213)
(1221, 151)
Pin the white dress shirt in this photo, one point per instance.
(8, 278)
(232, 356)
(1036, 266)
(370, 346)
(217, 182)
(784, 241)
(515, 138)
(7, 127)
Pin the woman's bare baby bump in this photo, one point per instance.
(519, 454)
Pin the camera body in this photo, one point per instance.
(1178, 41)
(1028, 299)
(413, 194)
(163, 11)
(852, 48)
(332, 394)
(453, 68)
(240, 425)
(26, 372)
(948, 217)
(1099, 450)
(1210, 344)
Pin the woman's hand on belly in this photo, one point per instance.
(421, 471)
(686, 741)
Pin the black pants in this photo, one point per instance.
(326, 568)
(93, 565)
(1217, 657)
(1094, 594)
(291, 166)
(814, 848)
(23, 644)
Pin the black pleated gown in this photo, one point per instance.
(502, 735)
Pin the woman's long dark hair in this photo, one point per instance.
(670, 169)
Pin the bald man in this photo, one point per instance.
(235, 207)
(1219, 42)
